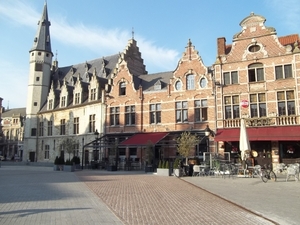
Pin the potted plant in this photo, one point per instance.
(58, 163)
(176, 166)
(163, 168)
(149, 157)
(76, 161)
(69, 167)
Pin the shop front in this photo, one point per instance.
(269, 145)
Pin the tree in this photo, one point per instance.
(185, 143)
(149, 152)
(68, 145)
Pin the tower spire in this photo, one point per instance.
(42, 39)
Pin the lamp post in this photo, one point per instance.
(207, 133)
(82, 154)
(96, 138)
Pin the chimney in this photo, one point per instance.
(221, 46)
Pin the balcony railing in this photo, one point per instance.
(263, 122)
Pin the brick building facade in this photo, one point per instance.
(132, 111)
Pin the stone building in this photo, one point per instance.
(12, 140)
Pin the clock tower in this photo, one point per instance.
(38, 83)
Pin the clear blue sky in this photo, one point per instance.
(83, 30)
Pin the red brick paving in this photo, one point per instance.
(150, 199)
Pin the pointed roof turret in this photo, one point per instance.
(42, 39)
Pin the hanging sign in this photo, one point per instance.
(245, 103)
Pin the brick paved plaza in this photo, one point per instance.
(39, 195)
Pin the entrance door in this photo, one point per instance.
(32, 156)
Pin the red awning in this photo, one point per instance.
(141, 139)
(288, 133)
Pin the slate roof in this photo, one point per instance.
(14, 112)
(148, 81)
(103, 67)
(42, 40)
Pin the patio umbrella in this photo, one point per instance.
(244, 141)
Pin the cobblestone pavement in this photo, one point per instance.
(139, 199)
(41, 196)
(38, 195)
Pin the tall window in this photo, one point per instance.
(122, 88)
(114, 116)
(155, 113)
(62, 127)
(50, 104)
(33, 132)
(256, 72)
(49, 128)
(41, 129)
(232, 107)
(76, 125)
(63, 101)
(181, 112)
(190, 82)
(283, 71)
(258, 105)
(47, 148)
(200, 107)
(230, 77)
(93, 94)
(286, 103)
(129, 115)
(92, 121)
(77, 98)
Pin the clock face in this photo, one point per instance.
(178, 85)
(203, 83)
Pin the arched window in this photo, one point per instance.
(256, 72)
(122, 88)
(178, 85)
(190, 82)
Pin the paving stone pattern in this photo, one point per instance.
(151, 199)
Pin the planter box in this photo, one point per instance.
(69, 168)
(163, 172)
(58, 167)
(111, 168)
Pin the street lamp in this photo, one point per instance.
(97, 136)
(207, 133)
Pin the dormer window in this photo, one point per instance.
(122, 89)
(63, 101)
(50, 104)
(93, 94)
(157, 86)
(77, 98)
